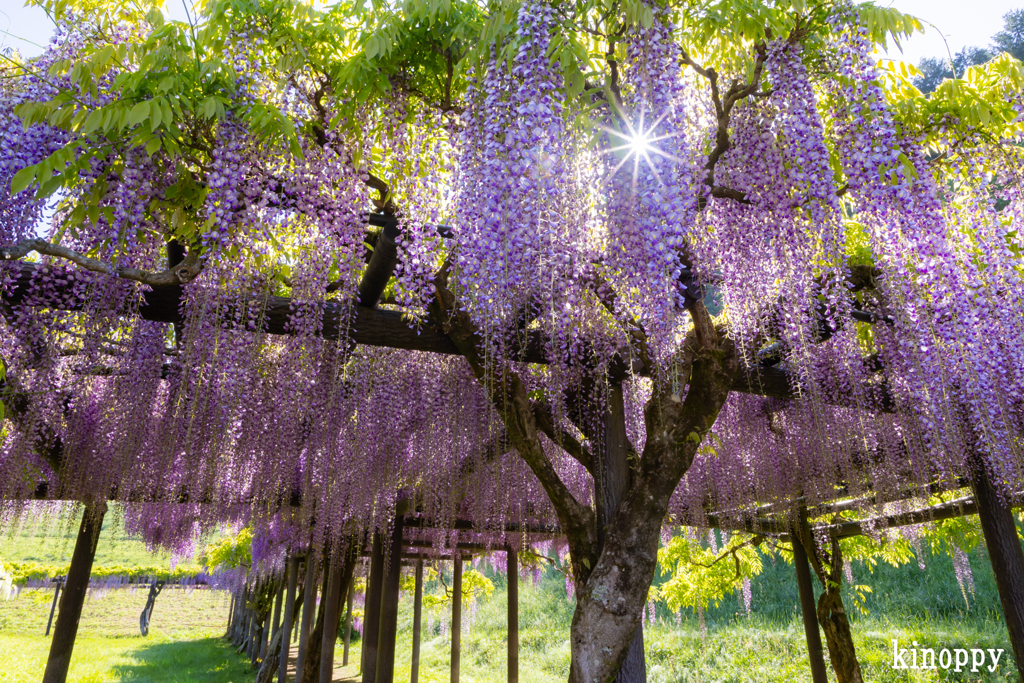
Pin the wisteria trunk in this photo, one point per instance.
(606, 623)
(610, 488)
(838, 636)
(609, 605)
(73, 598)
(1005, 554)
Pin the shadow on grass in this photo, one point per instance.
(205, 660)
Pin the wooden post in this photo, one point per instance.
(250, 636)
(513, 615)
(243, 619)
(308, 608)
(388, 628)
(236, 627)
(1004, 553)
(348, 620)
(66, 628)
(371, 611)
(456, 617)
(289, 614)
(231, 616)
(265, 635)
(53, 605)
(807, 607)
(417, 618)
(331, 616)
(277, 604)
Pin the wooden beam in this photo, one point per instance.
(375, 327)
(469, 525)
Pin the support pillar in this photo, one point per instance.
(308, 608)
(456, 618)
(807, 607)
(289, 615)
(371, 610)
(348, 620)
(53, 605)
(388, 628)
(265, 635)
(75, 587)
(231, 616)
(513, 615)
(1005, 554)
(277, 605)
(331, 616)
(417, 619)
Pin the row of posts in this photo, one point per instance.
(254, 636)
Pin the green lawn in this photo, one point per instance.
(53, 541)
(183, 645)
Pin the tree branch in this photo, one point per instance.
(508, 393)
(184, 272)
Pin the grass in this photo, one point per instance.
(183, 643)
(52, 540)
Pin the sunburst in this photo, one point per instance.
(639, 142)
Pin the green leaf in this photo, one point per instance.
(210, 107)
(139, 113)
(23, 179)
(647, 18)
(372, 48)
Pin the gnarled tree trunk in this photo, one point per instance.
(613, 563)
(828, 566)
(838, 637)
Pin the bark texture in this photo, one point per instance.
(831, 613)
(270, 665)
(832, 617)
(310, 672)
(1004, 551)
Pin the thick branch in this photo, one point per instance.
(509, 395)
(184, 272)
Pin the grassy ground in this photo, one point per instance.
(183, 643)
(53, 540)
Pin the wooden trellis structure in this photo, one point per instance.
(364, 323)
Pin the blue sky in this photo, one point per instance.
(961, 23)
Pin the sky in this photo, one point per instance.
(961, 24)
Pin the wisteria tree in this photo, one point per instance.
(678, 257)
